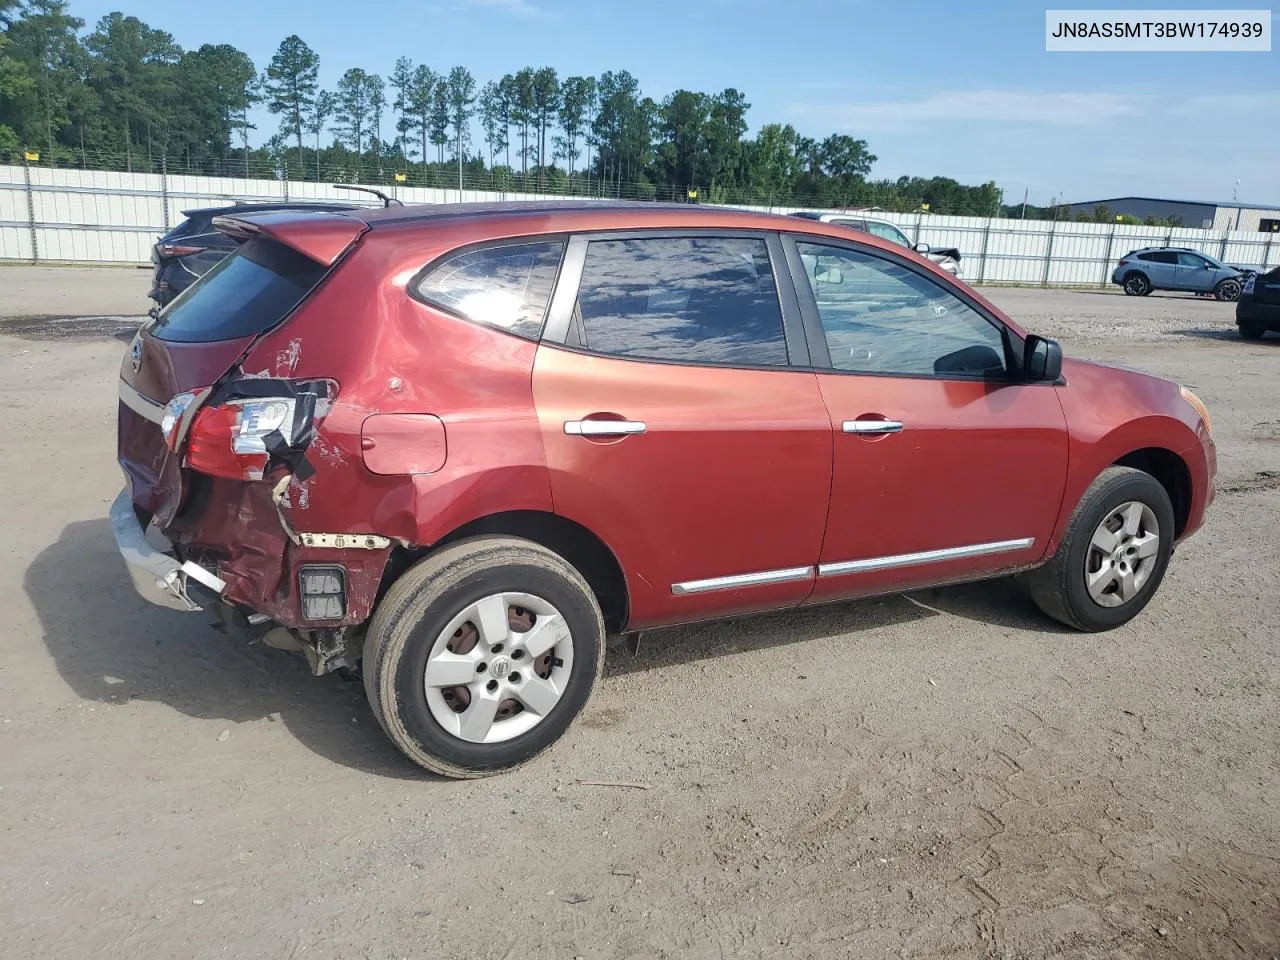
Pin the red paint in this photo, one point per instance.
(439, 422)
(975, 463)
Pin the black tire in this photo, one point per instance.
(1136, 284)
(1058, 587)
(1228, 290)
(420, 605)
(1249, 331)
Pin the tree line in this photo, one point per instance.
(127, 96)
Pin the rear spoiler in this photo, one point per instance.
(323, 237)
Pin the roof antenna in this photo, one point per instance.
(386, 201)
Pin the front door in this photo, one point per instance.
(675, 426)
(1195, 273)
(945, 468)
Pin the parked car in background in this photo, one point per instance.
(1258, 309)
(192, 248)
(453, 448)
(1178, 268)
(948, 258)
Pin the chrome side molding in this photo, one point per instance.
(925, 556)
(742, 580)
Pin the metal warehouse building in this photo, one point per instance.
(1206, 215)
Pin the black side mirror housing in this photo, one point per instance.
(1041, 360)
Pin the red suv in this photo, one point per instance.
(453, 447)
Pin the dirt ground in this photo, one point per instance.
(946, 774)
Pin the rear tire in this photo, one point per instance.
(1091, 552)
(1249, 331)
(1228, 290)
(1137, 285)
(465, 614)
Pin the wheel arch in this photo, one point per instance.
(1172, 473)
(585, 551)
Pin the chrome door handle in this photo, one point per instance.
(604, 428)
(873, 426)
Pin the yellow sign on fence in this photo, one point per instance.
(31, 156)
(401, 177)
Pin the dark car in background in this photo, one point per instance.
(1258, 309)
(192, 248)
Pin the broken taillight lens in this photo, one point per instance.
(230, 439)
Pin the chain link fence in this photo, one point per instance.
(64, 214)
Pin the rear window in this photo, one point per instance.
(246, 294)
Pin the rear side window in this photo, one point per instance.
(682, 299)
(507, 287)
(246, 294)
(1159, 256)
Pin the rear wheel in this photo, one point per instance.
(1228, 290)
(482, 655)
(1250, 331)
(1113, 555)
(1137, 285)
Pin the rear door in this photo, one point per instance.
(680, 423)
(1161, 268)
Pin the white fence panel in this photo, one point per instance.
(95, 216)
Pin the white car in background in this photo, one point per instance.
(948, 258)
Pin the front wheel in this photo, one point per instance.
(1137, 285)
(1113, 555)
(1228, 290)
(482, 655)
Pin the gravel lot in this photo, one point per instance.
(946, 774)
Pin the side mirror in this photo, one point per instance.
(922, 248)
(1041, 360)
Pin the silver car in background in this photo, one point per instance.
(948, 258)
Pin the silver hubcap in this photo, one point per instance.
(499, 667)
(1122, 554)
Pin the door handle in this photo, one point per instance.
(866, 427)
(604, 428)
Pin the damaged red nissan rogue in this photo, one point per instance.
(454, 447)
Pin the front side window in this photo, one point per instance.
(507, 287)
(888, 231)
(881, 317)
(682, 299)
(1191, 260)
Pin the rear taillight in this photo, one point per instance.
(230, 440)
(248, 427)
(177, 250)
(173, 420)
(1123, 263)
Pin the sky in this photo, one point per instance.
(936, 87)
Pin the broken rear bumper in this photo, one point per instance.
(159, 577)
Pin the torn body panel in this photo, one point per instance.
(234, 527)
